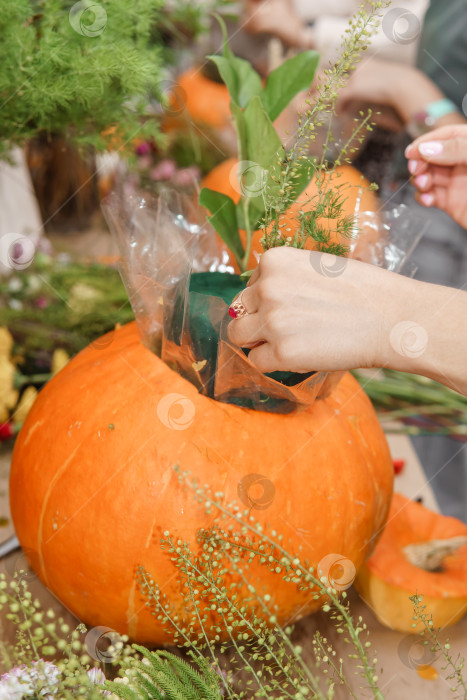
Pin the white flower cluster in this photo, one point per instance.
(40, 680)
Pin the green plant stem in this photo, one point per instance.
(188, 642)
(283, 635)
(243, 264)
(200, 622)
(337, 671)
(210, 583)
(342, 609)
(429, 628)
(26, 620)
(21, 380)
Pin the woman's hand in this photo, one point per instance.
(396, 86)
(315, 311)
(309, 310)
(279, 18)
(438, 163)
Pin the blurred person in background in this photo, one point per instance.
(312, 24)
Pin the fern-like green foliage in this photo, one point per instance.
(160, 675)
(78, 303)
(78, 73)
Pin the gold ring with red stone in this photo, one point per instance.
(237, 309)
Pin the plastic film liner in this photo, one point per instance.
(180, 284)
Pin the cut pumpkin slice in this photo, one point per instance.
(420, 552)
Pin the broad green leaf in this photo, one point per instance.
(262, 155)
(263, 145)
(255, 213)
(242, 81)
(288, 80)
(223, 218)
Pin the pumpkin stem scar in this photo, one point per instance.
(429, 555)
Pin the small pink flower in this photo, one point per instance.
(40, 679)
(97, 677)
(186, 176)
(41, 302)
(164, 170)
(143, 148)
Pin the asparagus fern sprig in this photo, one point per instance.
(161, 675)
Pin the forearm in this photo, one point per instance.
(411, 91)
(404, 89)
(425, 333)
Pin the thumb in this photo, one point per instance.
(449, 152)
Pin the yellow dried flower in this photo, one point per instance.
(8, 394)
(59, 360)
(25, 405)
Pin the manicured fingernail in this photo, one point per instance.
(430, 148)
(427, 199)
(412, 166)
(421, 181)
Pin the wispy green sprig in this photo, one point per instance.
(456, 666)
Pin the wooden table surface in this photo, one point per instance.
(398, 654)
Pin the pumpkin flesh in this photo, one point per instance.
(388, 578)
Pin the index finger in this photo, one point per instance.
(254, 276)
(443, 133)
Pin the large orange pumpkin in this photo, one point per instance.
(352, 186)
(93, 488)
(420, 552)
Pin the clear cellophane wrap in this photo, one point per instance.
(179, 280)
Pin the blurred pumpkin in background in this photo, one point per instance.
(352, 186)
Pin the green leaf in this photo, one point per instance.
(288, 80)
(121, 691)
(263, 147)
(255, 213)
(242, 81)
(223, 218)
(262, 153)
